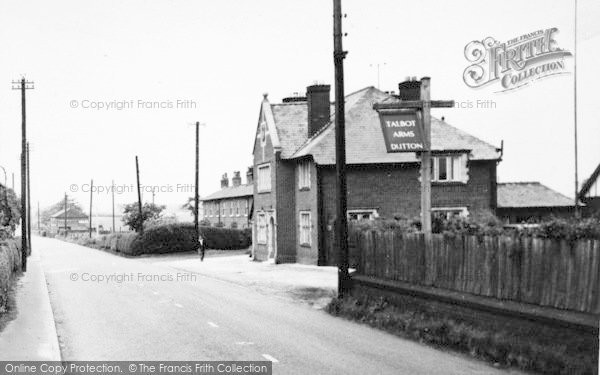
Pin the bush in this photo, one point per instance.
(180, 237)
(10, 263)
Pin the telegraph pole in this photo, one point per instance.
(28, 201)
(340, 152)
(137, 173)
(23, 85)
(577, 213)
(113, 207)
(426, 158)
(196, 198)
(66, 215)
(91, 195)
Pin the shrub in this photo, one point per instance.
(182, 237)
(10, 263)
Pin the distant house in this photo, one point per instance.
(295, 178)
(590, 192)
(231, 206)
(77, 221)
(530, 202)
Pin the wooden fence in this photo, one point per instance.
(539, 271)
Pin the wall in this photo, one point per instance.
(306, 200)
(213, 214)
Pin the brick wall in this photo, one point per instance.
(286, 220)
(395, 189)
(212, 212)
(306, 200)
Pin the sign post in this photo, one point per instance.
(406, 127)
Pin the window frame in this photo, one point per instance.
(261, 228)
(455, 168)
(304, 175)
(305, 237)
(463, 211)
(371, 211)
(261, 180)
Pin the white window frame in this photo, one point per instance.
(237, 208)
(463, 211)
(261, 228)
(456, 168)
(304, 174)
(264, 178)
(305, 227)
(371, 211)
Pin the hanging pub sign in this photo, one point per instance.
(402, 130)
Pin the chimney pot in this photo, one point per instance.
(224, 181)
(409, 90)
(319, 107)
(237, 179)
(250, 175)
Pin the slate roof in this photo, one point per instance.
(61, 214)
(364, 138)
(530, 194)
(291, 122)
(231, 192)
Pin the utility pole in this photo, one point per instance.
(28, 201)
(340, 152)
(66, 208)
(23, 85)
(196, 198)
(137, 173)
(113, 207)
(577, 213)
(426, 158)
(91, 195)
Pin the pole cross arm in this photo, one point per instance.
(407, 104)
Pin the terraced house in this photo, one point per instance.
(294, 166)
(231, 206)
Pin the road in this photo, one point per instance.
(202, 318)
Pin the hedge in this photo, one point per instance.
(173, 238)
(10, 263)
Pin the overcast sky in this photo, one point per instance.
(223, 55)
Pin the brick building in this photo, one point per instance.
(231, 206)
(294, 166)
(531, 202)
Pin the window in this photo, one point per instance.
(261, 234)
(449, 168)
(305, 228)
(237, 208)
(222, 209)
(230, 208)
(362, 214)
(449, 212)
(246, 208)
(304, 175)
(264, 177)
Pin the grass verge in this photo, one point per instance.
(500, 340)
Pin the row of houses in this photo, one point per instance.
(289, 197)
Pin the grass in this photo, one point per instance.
(502, 341)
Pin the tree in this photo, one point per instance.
(190, 205)
(131, 216)
(10, 213)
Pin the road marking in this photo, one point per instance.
(244, 343)
(178, 305)
(269, 358)
(213, 325)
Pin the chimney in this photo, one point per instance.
(410, 89)
(224, 181)
(250, 175)
(319, 107)
(236, 180)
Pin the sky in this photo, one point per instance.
(159, 66)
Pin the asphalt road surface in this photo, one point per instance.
(108, 307)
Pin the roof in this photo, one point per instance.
(530, 194)
(364, 138)
(587, 184)
(291, 123)
(231, 192)
(77, 215)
